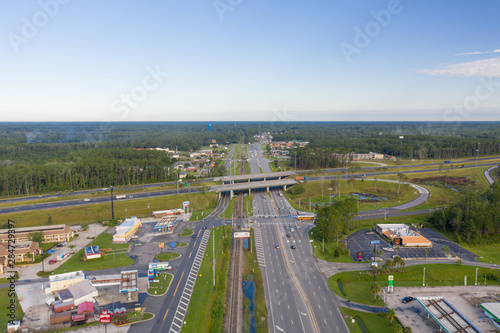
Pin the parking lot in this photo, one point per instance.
(462, 298)
(360, 242)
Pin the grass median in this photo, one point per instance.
(186, 232)
(167, 256)
(357, 284)
(251, 272)
(207, 306)
(161, 285)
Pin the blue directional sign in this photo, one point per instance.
(375, 242)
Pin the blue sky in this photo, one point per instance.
(74, 60)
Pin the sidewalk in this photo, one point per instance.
(28, 272)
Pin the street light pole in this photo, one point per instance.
(477, 152)
(423, 282)
(476, 276)
(112, 208)
(330, 189)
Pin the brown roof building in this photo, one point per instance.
(23, 252)
(53, 233)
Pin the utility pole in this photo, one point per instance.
(213, 254)
(112, 209)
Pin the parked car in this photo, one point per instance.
(293, 247)
(288, 235)
(52, 261)
(407, 299)
(277, 246)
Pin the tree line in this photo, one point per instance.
(473, 219)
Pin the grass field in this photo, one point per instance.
(375, 323)
(186, 232)
(228, 212)
(251, 271)
(102, 212)
(206, 308)
(201, 214)
(357, 284)
(160, 287)
(389, 191)
(4, 303)
(247, 204)
(329, 250)
(167, 256)
(115, 258)
(489, 253)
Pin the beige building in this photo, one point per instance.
(64, 281)
(402, 235)
(52, 233)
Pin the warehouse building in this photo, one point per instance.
(402, 235)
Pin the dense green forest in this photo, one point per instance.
(43, 157)
(420, 140)
(474, 219)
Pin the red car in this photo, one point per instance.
(53, 261)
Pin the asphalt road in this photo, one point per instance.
(487, 174)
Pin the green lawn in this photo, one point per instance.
(115, 258)
(228, 212)
(251, 271)
(375, 323)
(102, 212)
(318, 198)
(200, 214)
(161, 286)
(167, 256)
(186, 232)
(181, 244)
(489, 253)
(357, 284)
(329, 250)
(4, 303)
(206, 308)
(247, 204)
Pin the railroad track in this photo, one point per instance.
(233, 323)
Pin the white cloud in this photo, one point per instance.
(485, 67)
(470, 53)
(477, 52)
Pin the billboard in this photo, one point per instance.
(104, 317)
(161, 245)
(185, 204)
(241, 234)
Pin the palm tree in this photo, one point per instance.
(398, 329)
(375, 291)
(426, 254)
(391, 315)
(397, 261)
(446, 250)
(407, 329)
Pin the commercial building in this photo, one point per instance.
(402, 235)
(492, 312)
(64, 281)
(83, 291)
(24, 251)
(127, 229)
(92, 252)
(51, 233)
